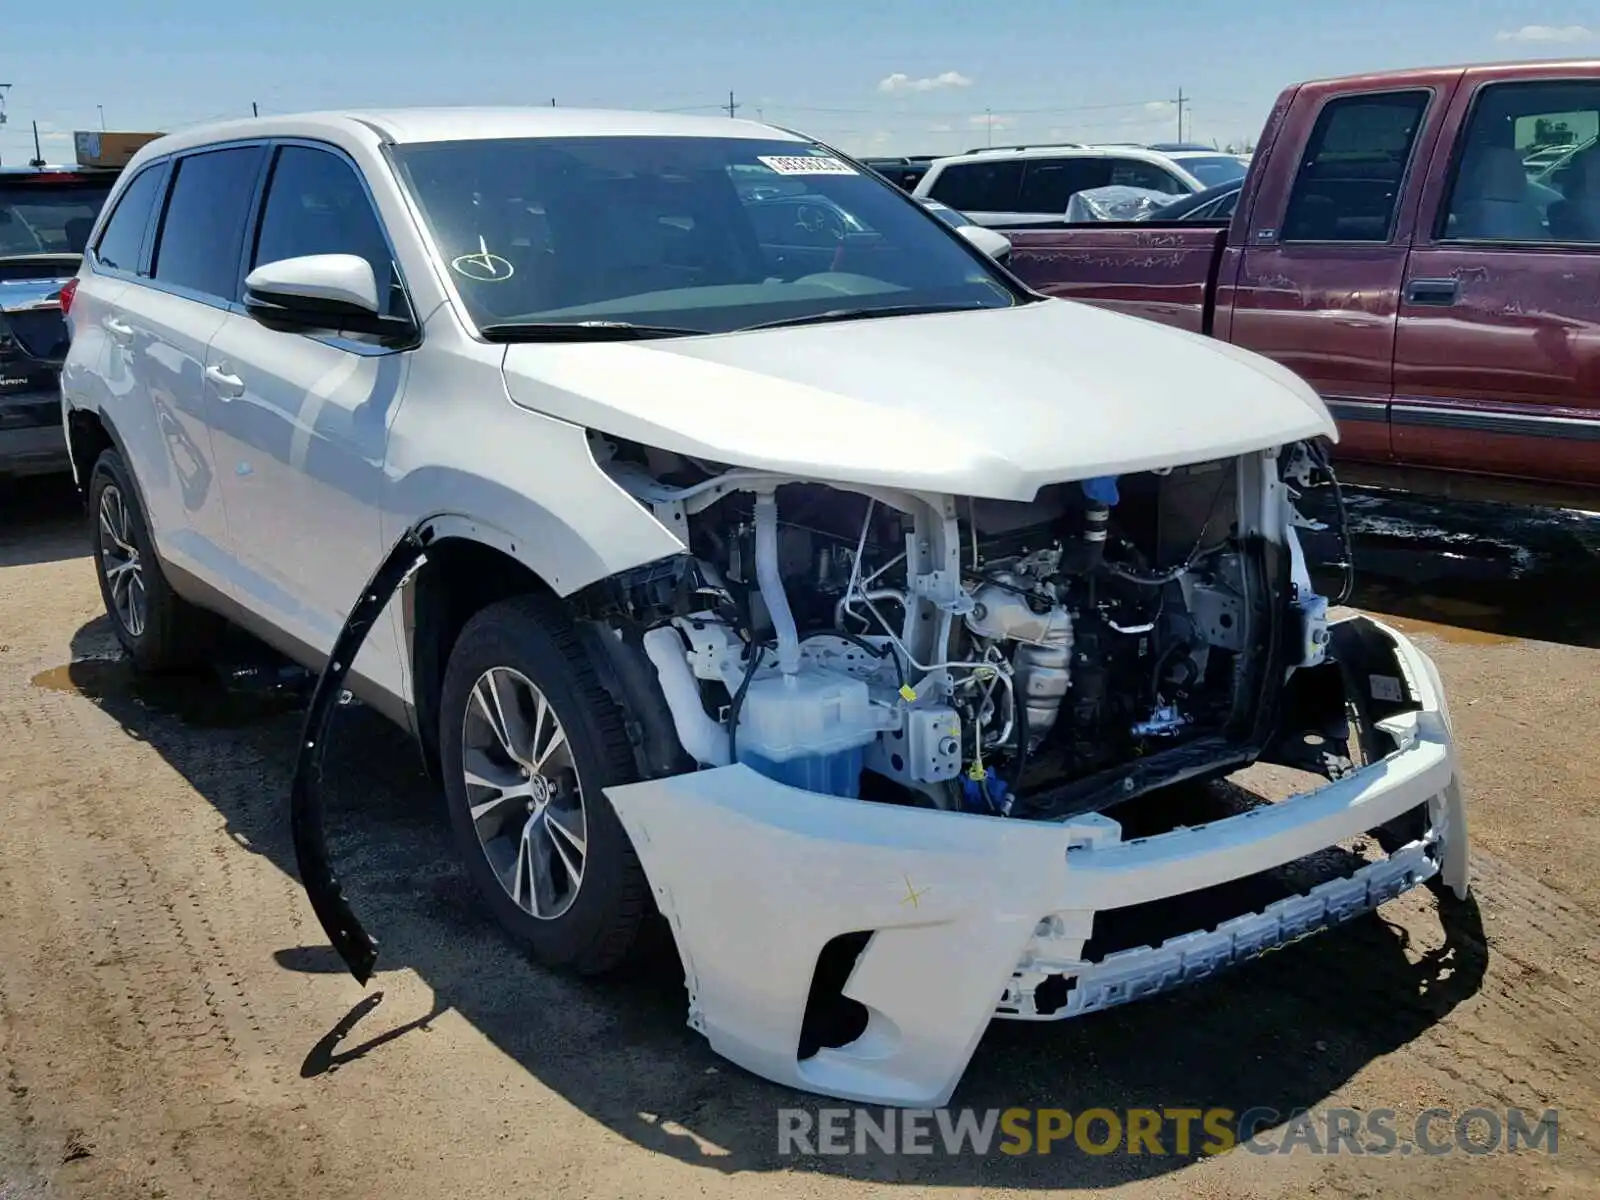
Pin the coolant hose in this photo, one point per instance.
(771, 583)
(702, 737)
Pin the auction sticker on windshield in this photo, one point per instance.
(805, 164)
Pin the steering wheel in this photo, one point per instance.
(816, 219)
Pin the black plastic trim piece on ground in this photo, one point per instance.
(355, 945)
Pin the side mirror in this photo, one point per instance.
(996, 245)
(319, 293)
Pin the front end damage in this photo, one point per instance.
(968, 918)
(910, 761)
(939, 742)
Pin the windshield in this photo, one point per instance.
(1214, 169)
(41, 214)
(702, 234)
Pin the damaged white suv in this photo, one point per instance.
(740, 541)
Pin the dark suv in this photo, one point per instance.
(46, 214)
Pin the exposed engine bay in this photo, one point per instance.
(1026, 659)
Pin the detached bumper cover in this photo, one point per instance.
(968, 914)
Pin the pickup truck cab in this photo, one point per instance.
(1401, 244)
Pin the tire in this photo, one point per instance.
(528, 648)
(159, 629)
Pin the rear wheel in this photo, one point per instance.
(529, 740)
(158, 628)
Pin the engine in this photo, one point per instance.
(965, 653)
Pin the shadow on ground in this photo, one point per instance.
(1282, 1033)
(41, 521)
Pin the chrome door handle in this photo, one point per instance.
(122, 333)
(225, 385)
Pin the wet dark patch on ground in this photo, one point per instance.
(233, 697)
(1460, 571)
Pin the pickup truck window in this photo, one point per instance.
(1349, 182)
(1528, 167)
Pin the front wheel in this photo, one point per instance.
(528, 742)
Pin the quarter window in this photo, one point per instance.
(316, 205)
(202, 233)
(123, 238)
(1348, 186)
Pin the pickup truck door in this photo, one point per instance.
(1320, 275)
(301, 425)
(1497, 366)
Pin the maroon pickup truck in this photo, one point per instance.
(1423, 247)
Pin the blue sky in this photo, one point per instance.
(886, 76)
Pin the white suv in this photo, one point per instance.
(752, 548)
(1035, 184)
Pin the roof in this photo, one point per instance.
(1072, 150)
(1582, 67)
(406, 125)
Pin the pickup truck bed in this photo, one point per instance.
(1166, 273)
(1406, 244)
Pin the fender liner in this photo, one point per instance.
(354, 944)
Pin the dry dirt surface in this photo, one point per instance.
(173, 1025)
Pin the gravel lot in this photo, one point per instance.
(172, 1024)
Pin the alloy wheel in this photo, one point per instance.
(120, 562)
(523, 793)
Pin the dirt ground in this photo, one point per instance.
(173, 1025)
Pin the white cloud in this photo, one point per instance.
(1158, 105)
(1546, 33)
(986, 121)
(901, 82)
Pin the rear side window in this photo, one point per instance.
(123, 238)
(1048, 184)
(202, 233)
(1348, 185)
(1528, 166)
(980, 186)
(316, 205)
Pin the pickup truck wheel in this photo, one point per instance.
(529, 740)
(158, 628)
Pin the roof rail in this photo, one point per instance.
(1028, 146)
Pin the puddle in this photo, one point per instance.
(205, 699)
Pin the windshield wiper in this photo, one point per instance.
(580, 331)
(862, 314)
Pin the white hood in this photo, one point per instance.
(995, 403)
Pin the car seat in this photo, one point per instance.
(1576, 217)
(1492, 199)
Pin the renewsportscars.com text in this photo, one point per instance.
(1181, 1132)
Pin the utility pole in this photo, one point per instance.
(38, 154)
(988, 118)
(254, 111)
(4, 88)
(552, 101)
(732, 107)
(102, 109)
(1182, 100)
